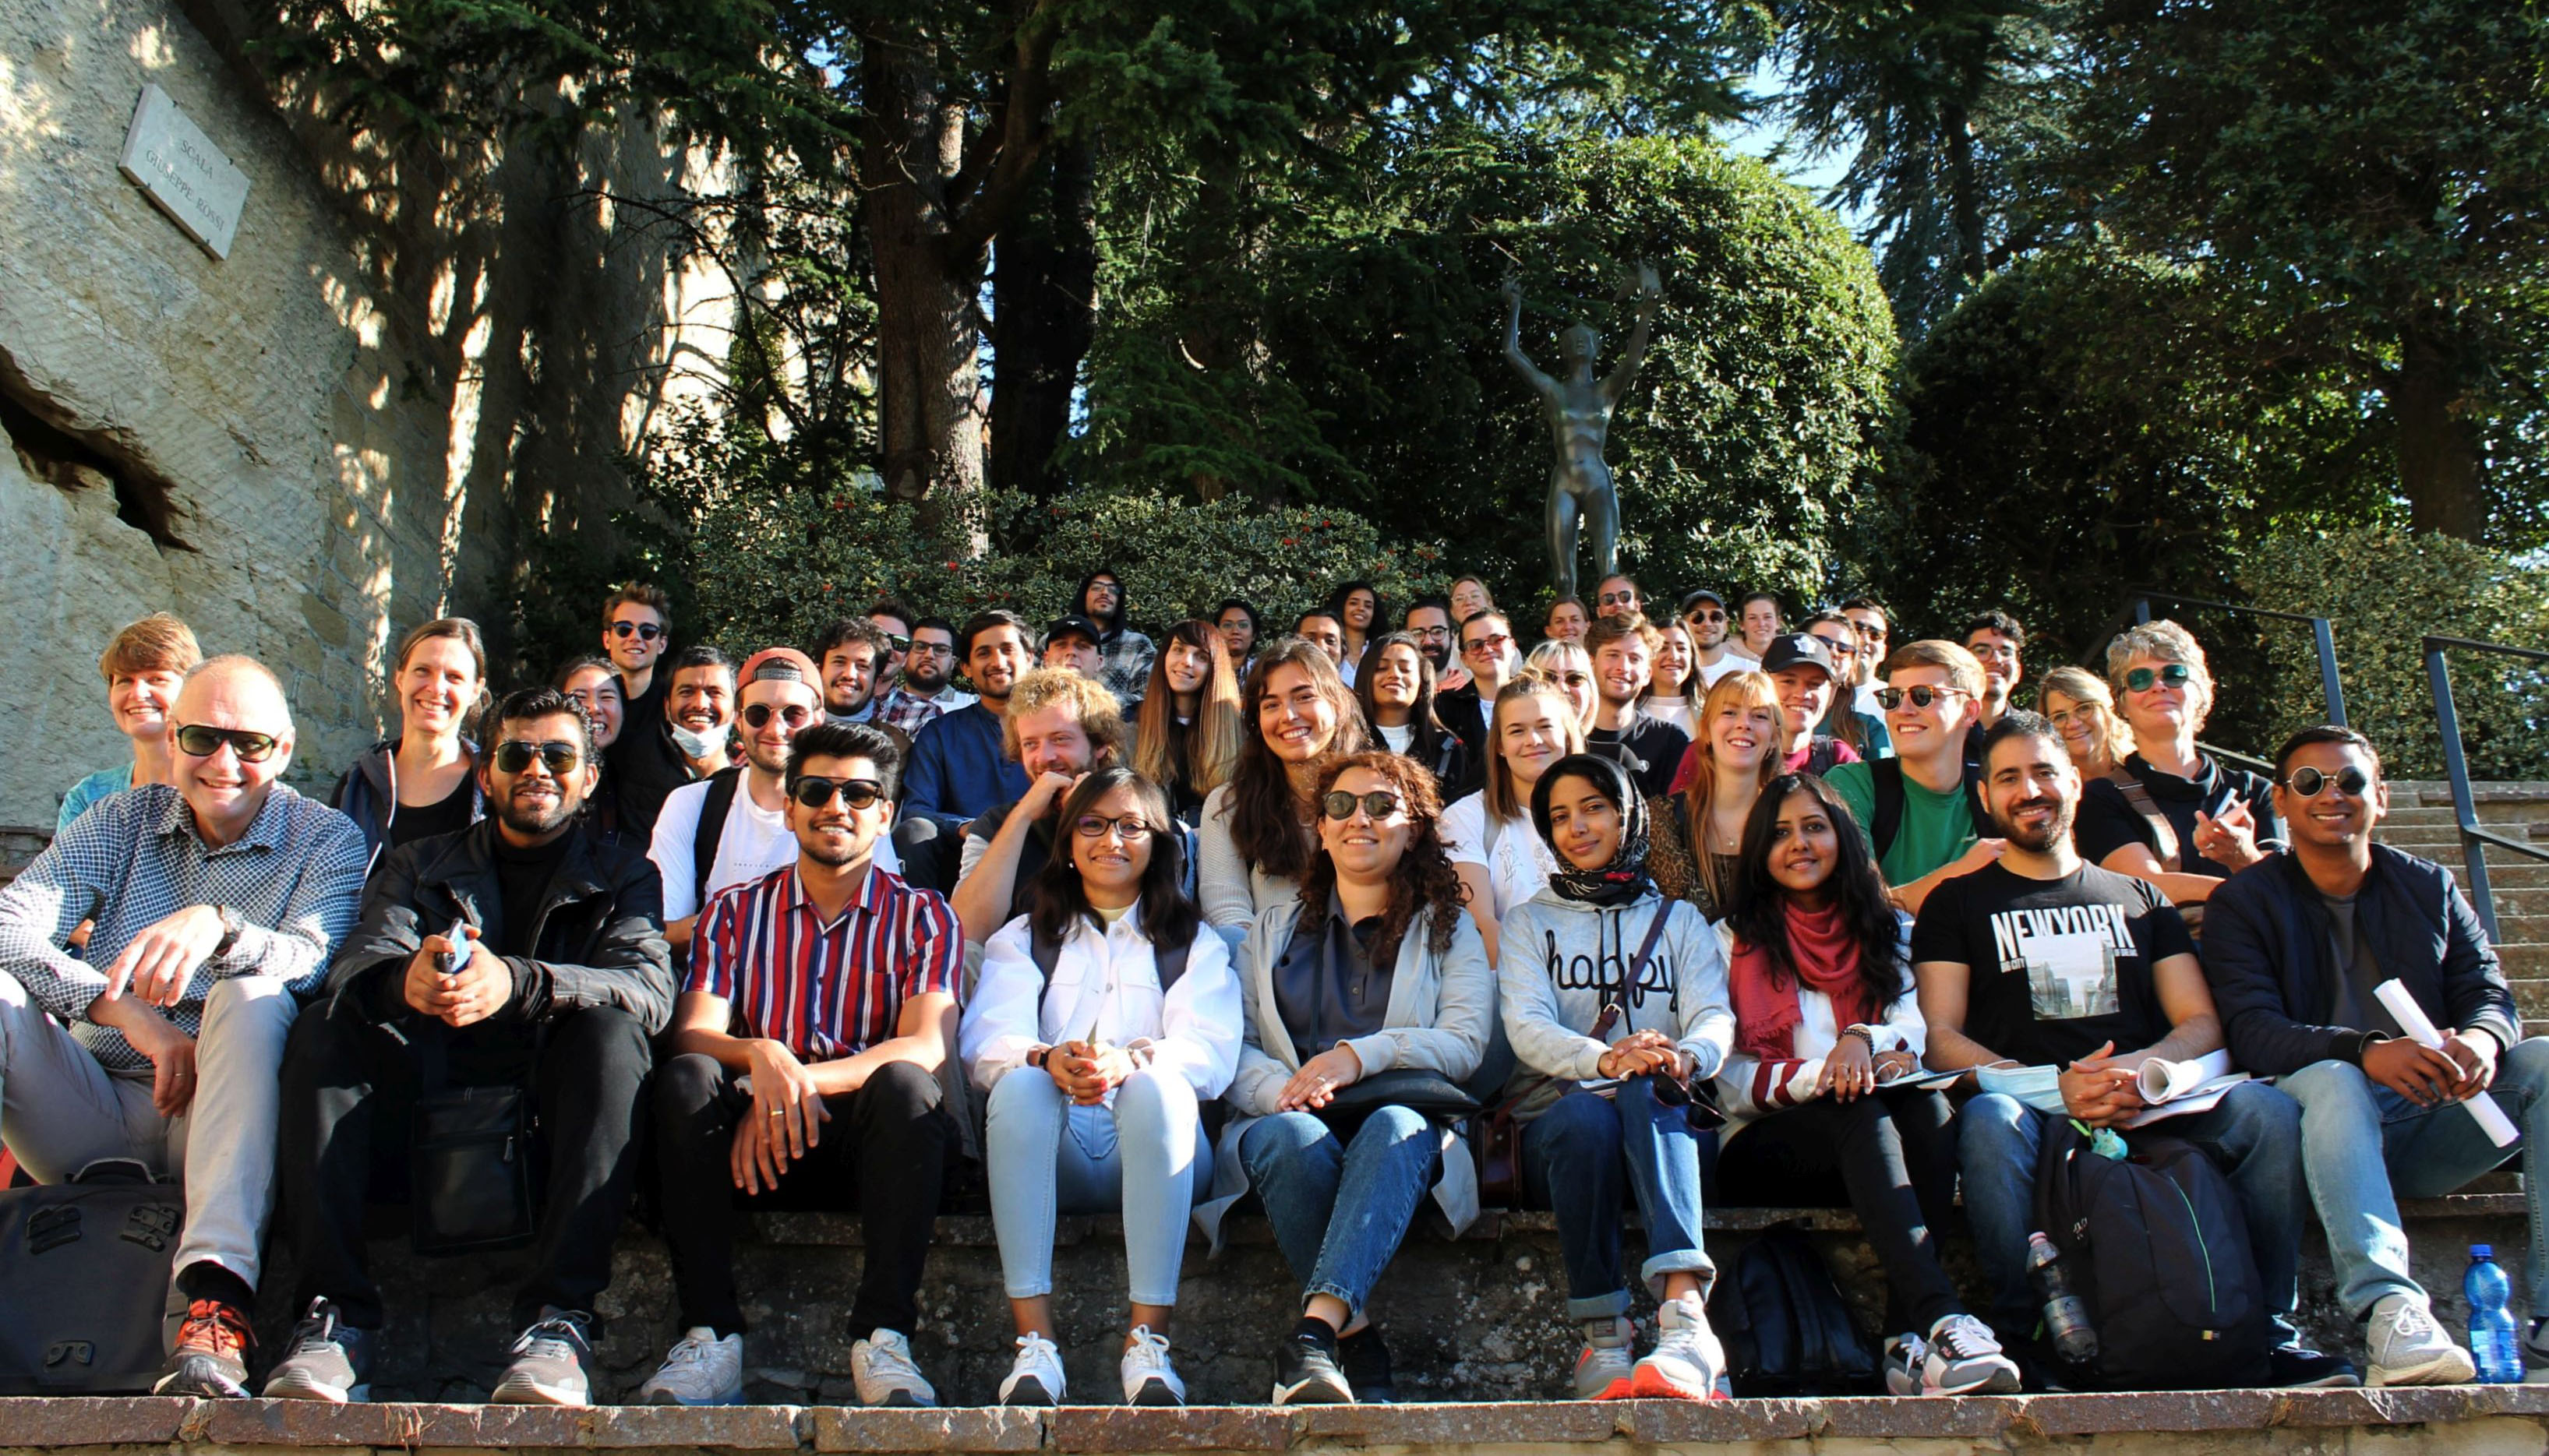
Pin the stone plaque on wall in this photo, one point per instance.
(179, 168)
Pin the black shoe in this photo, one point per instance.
(1365, 1362)
(1305, 1368)
(2297, 1367)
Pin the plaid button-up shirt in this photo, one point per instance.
(824, 992)
(295, 880)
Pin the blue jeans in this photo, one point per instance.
(1575, 1157)
(2366, 1146)
(1146, 1155)
(1341, 1207)
(2253, 1135)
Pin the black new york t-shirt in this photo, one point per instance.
(2057, 966)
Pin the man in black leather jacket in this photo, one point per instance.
(2296, 947)
(555, 987)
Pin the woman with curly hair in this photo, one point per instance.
(1825, 1016)
(1371, 975)
(1187, 729)
(1257, 840)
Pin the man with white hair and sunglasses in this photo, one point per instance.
(216, 901)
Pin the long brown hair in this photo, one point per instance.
(1169, 918)
(1748, 689)
(1502, 801)
(1424, 879)
(1199, 754)
(1267, 823)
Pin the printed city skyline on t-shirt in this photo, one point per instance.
(2069, 955)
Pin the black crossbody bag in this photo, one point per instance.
(469, 1161)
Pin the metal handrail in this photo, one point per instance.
(2323, 635)
(2447, 721)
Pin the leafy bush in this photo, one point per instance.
(2385, 591)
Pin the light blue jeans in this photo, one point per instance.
(1341, 1207)
(2365, 1148)
(1145, 1155)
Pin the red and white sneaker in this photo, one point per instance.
(1687, 1359)
(1605, 1369)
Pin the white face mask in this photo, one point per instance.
(711, 745)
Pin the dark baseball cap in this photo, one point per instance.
(1690, 599)
(1074, 623)
(1794, 648)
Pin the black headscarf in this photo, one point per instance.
(1624, 881)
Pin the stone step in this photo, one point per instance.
(2462, 1418)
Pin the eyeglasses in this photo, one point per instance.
(643, 631)
(1130, 828)
(930, 649)
(1890, 699)
(2172, 675)
(1430, 634)
(794, 715)
(2350, 781)
(197, 741)
(1492, 642)
(1338, 804)
(514, 754)
(814, 791)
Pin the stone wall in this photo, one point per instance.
(403, 373)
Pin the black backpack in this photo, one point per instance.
(2155, 1247)
(84, 1282)
(1886, 775)
(1795, 1335)
(710, 831)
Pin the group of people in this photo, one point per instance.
(1337, 923)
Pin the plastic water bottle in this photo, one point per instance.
(2492, 1339)
(2066, 1319)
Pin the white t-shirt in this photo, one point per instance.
(1732, 662)
(1397, 738)
(1673, 710)
(756, 841)
(1518, 863)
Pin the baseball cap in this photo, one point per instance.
(1794, 648)
(1075, 623)
(1690, 599)
(785, 663)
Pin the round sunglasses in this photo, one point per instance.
(795, 715)
(2170, 674)
(2308, 781)
(644, 631)
(1338, 804)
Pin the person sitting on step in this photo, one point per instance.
(1608, 1040)
(1104, 1016)
(2296, 947)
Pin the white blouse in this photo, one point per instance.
(1105, 988)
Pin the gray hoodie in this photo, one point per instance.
(1563, 960)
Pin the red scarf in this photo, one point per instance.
(1766, 1014)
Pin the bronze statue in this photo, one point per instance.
(1579, 420)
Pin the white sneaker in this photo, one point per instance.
(1149, 1378)
(1687, 1362)
(1608, 1365)
(1905, 1354)
(702, 1370)
(2408, 1347)
(1035, 1374)
(1965, 1359)
(882, 1368)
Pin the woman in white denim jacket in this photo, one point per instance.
(1102, 1022)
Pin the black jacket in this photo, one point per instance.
(598, 939)
(2269, 954)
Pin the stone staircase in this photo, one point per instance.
(2420, 823)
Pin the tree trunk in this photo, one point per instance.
(1964, 192)
(1043, 287)
(2438, 463)
(928, 329)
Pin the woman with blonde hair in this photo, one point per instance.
(1698, 833)
(2084, 711)
(2175, 816)
(1187, 728)
(424, 781)
(1500, 859)
(1567, 665)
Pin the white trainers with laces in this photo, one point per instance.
(882, 1368)
(1964, 1358)
(700, 1370)
(1149, 1378)
(2408, 1347)
(1035, 1374)
(1687, 1361)
(1609, 1362)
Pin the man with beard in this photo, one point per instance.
(558, 979)
(960, 764)
(924, 690)
(683, 743)
(851, 656)
(1125, 655)
(1996, 639)
(1429, 621)
(1061, 725)
(1712, 656)
(803, 1058)
(2044, 962)
(1623, 647)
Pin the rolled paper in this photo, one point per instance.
(2412, 1019)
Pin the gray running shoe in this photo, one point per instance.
(553, 1363)
(325, 1361)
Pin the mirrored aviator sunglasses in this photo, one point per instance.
(514, 754)
(814, 791)
(2310, 782)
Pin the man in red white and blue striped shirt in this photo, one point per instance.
(820, 1005)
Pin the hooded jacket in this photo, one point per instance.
(1563, 960)
(367, 793)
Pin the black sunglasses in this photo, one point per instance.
(198, 741)
(794, 715)
(2306, 781)
(814, 791)
(646, 631)
(1338, 804)
(1890, 699)
(2173, 674)
(514, 754)
(897, 642)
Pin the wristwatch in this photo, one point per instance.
(232, 925)
(1036, 1057)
